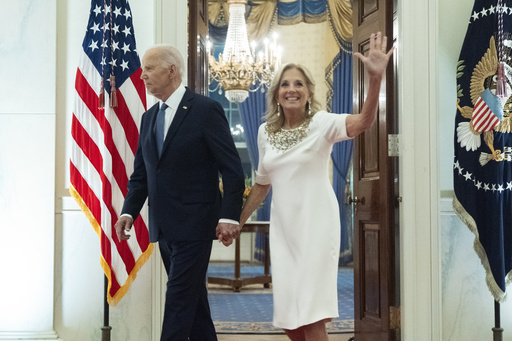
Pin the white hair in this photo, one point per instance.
(170, 56)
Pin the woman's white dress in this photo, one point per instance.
(304, 222)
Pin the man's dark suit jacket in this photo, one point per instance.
(182, 186)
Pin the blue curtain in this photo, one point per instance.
(252, 110)
(308, 11)
(340, 101)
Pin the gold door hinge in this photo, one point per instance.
(394, 318)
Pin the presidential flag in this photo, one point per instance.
(482, 171)
(110, 98)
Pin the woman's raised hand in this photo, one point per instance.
(376, 61)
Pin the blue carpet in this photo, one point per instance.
(250, 311)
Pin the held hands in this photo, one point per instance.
(376, 60)
(123, 227)
(227, 232)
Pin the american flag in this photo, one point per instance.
(105, 139)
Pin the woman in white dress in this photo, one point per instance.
(294, 147)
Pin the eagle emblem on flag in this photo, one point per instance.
(487, 111)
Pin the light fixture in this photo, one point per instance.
(238, 67)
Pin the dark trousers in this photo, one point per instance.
(187, 311)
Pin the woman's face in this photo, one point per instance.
(293, 93)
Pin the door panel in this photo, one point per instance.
(374, 186)
(367, 8)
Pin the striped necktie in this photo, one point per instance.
(159, 130)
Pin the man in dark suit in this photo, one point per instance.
(184, 144)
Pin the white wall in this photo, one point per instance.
(453, 23)
(27, 167)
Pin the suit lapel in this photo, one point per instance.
(181, 112)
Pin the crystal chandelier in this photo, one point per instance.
(238, 67)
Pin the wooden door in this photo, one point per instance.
(197, 49)
(376, 311)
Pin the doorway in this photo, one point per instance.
(375, 220)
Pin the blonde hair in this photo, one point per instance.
(274, 122)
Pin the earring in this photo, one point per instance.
(278, 109)
(309, 107)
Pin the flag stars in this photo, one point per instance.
(115, 29)
(117, 11)
(468, 175)
(126, 48)
(478, 184)
(113, 62)
(107, 9)
(494, 187)
(105, 27)
(126, 31)
(490, 11)
(94, 45)
(115, 46)
(97, 10)
(127, 14)
(95, 28)
(124, 65)
(503, 8)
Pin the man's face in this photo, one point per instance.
(156, 77)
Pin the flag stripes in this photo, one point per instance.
(483, 118)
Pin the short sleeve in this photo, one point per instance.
(261, 176)
(333, 126)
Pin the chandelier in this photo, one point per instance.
(238, 67)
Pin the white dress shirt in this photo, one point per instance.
(172, 106)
